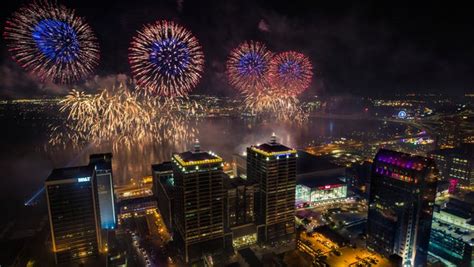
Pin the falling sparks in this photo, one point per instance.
(124, 118)
(266, 104)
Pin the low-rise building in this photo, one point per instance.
(452, 237)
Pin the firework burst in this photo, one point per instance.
(51, 42)
(166, 59)
(248, 65)
(290, 72)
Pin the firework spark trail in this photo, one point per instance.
(123, 118)
(281, 107)
(51, 42)
(290, 73)
(166, 59)
(247, 67)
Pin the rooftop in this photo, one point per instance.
(239, 181)
(319, 181)
(457, 213)
(101, 161)
(308, 163)
(162, 167)
(102, 156)
(465, 150)
(272, 148)
(70, 173)
(197, 157)
(402, 160)
(457, 232)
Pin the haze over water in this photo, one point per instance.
(26, 163)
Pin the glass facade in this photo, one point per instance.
(318, 194)
(72, 212)
(402, 193)
(273, 167)
(452, 237)
(104, 183)
(199, 202)
(456, 163)
(105, 192)
(240, 203)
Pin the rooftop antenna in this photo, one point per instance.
(197, 146)
(273, 139)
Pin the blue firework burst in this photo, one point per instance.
(57, 40)
(252, 64)
(170, 56)
(166, 59)
(248, 65)
(51, 42)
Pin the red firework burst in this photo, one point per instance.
(290, 72)
(248, 65)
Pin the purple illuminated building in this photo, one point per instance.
(401, 198)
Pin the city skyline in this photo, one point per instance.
(236, 133)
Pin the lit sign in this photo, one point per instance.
(83, 179)
(327, 187)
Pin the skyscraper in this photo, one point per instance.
(102, 164)
(273, 167)
(401, 199)
(73, 213)
(456, 164)
(199, 202)
(163, 190)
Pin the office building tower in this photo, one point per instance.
(240, 201)
(163, 190)
(273, 167)
(199, 202)
(456, 165)
(102, 164)
(73, 214)
(401, 199)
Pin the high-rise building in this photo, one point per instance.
(73, 214)
(240, 211)
(456, 164)
(240, 201)
(401, 199)
(102, 164)
(273, 166)
(199, 203)
(163, 190)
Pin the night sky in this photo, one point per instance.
(374, 47)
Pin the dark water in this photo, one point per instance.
(26, 161)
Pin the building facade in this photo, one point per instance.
(73, 214)
(456, 164)
(320, 189)
(163, 190)
(401, 199)
(102, 164)
(199, 203)
(273, 167)
(240, 201)
(452, 235)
